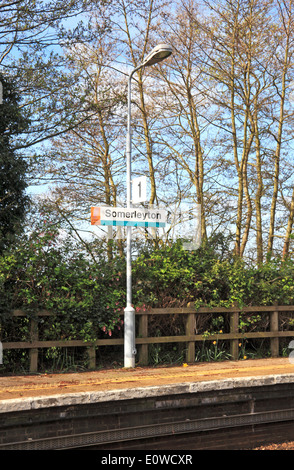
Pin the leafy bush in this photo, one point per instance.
(86, 292)
(47, 272)
(171, 276)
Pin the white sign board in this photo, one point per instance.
(139, 189)
(126, 217)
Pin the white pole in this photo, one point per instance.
(129, 311)
(158, 54)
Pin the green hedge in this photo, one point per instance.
(47, 270)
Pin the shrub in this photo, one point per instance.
(86, 292)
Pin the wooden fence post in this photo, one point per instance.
(190, 324)
(274, 326)
(143, 333)
(234, 328)
(92, 357)
(34, 351)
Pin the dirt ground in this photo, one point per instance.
(12, 387)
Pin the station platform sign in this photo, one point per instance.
(128, 217)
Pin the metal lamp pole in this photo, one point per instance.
(159, 53)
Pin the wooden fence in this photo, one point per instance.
(143, 340)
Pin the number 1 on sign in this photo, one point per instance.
(139, 189)
(139, 186)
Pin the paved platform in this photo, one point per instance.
(47, 390)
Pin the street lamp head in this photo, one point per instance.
(159, 53)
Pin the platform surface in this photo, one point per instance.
(17, 388)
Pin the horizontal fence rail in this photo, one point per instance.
(143, 340)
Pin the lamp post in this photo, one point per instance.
(159, 53)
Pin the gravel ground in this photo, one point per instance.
(283, 446)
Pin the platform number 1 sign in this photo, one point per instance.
(139, 189)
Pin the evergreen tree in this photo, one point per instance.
(13, 198)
